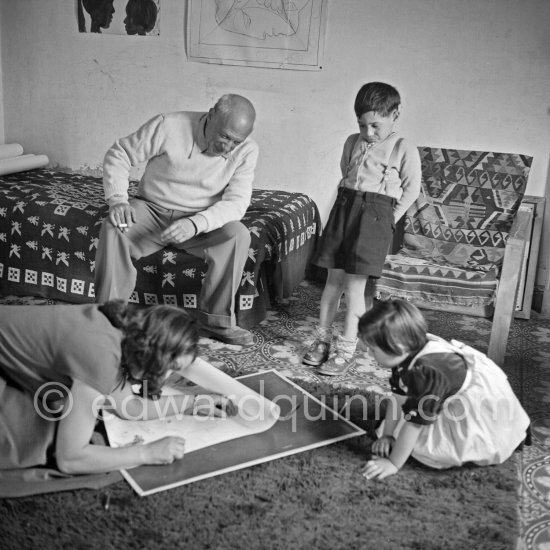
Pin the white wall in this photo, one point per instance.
(473, 74)
(2, 140)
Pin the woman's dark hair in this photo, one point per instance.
(394, 326)
(378, 97)
(154, 338)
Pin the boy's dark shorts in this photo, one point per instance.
(358, 233)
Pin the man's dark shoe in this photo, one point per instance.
(236, 336)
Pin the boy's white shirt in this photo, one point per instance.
(363, 170)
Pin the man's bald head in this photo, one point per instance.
(229, 123)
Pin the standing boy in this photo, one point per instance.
(381, 178)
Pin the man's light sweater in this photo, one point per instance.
(363, 170)
(212, 190)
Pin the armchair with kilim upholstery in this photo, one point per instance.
(466, 243)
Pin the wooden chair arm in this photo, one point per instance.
(506, 296)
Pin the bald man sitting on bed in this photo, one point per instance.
(195, 189)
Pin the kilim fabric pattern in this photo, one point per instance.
(49, 229)
(456, 231)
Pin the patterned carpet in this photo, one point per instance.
(281, 339)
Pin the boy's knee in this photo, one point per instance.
(336, 277)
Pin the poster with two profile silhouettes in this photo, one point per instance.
(126, 17)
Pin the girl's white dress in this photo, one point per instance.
(482, 423)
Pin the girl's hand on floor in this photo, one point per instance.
(379, 468)
(383, 445)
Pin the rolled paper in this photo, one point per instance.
(10, 150)
(22, 163)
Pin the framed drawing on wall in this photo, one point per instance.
(280, 34)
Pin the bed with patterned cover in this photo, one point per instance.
(49, 228)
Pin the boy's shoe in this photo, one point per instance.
(236, 336)
(317, 353)
(337, 365)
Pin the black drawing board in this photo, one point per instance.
(313, 424)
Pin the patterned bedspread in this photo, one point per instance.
(49, 228)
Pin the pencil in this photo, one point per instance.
(291, 412)
(294, 409)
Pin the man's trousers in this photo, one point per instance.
(225, 251)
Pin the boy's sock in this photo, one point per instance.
(345, 346)
(340, 357)
(324, 334)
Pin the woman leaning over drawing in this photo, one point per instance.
(60, 366)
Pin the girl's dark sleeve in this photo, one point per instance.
(431, 380)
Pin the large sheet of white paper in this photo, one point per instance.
(256, 414)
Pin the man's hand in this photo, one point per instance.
(178, 232)
(379, 468)
(122, 215)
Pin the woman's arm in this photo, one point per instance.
(75, 454)
(130, 406)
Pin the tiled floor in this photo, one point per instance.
(281, 339)
(532, 351)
